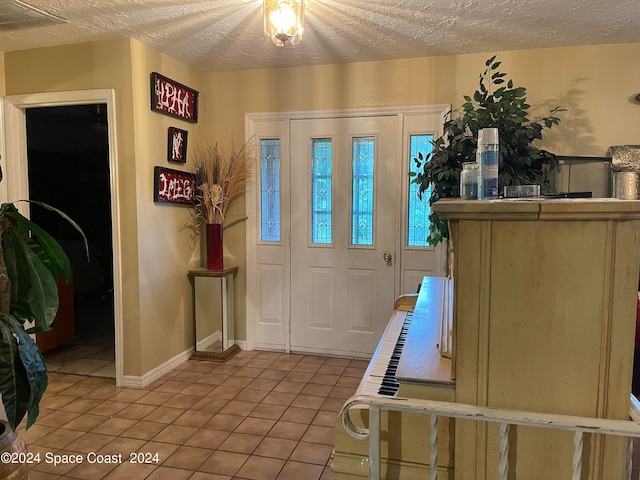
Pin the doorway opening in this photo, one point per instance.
(68, 168)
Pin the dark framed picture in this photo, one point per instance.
(173, 98)
(173, 186)
(177, 145)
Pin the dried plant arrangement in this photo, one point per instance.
(221, 176)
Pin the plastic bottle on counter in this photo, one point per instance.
(487, 158)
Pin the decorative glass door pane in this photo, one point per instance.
(363, 190)
(418, 217)
(321, 184)
(270, 190)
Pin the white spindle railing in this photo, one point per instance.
(578, 444)
(503, 466)
(433, 459)
(505, 418)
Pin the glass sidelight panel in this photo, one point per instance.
(270, 190)
(418, 211)
(363, 190)
(321, 185)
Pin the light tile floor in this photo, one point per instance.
(92, 352)
(259, 416)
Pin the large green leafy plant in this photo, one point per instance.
(495, 104)
(30, 263)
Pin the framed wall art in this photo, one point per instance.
(173, 98)
(177, 145)
(173, 186)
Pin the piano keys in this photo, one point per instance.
(406, 363)
(379, 379)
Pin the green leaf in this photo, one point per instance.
(49, 250)
(35, 370)
(12, 387)
(25, 372)
(66, 217)
(488, 62)
(34, 291)
(495, 65)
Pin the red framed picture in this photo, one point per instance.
(177, 145)
(173, 98)
(173, 186)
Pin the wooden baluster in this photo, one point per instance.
(503, 467)
(577, 455)
(434, 447)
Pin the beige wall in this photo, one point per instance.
(2, 87)
(94, 66)
(157, 318)
(594, 83)
(165, 253)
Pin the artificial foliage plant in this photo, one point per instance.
(494, 105)
(30, 263)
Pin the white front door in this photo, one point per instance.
(317, 278)
(344, 193)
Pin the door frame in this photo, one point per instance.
(281, 122)
(16, 186)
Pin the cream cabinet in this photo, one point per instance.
(544, 320)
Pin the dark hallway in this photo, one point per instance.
(69, 169)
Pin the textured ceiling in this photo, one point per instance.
(219, 35)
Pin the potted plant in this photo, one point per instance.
(520, 161)
(220, 177)
(30, 263)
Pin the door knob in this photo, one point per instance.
(387, 257)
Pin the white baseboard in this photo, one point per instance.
(132, 381)
(241, 343)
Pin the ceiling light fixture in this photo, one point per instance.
(284, 21)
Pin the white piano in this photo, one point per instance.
(407, 363)
(544, 306)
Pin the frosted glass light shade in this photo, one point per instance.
(284, 21)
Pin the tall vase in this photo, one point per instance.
(214, 246)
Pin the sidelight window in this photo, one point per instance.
(362, 216)
(321, 191)
(418, 217)
(270, 190)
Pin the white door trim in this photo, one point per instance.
(16, 176)
(252, 120)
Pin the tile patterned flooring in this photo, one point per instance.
(95, 359)
(259, 416)
(92, 352)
